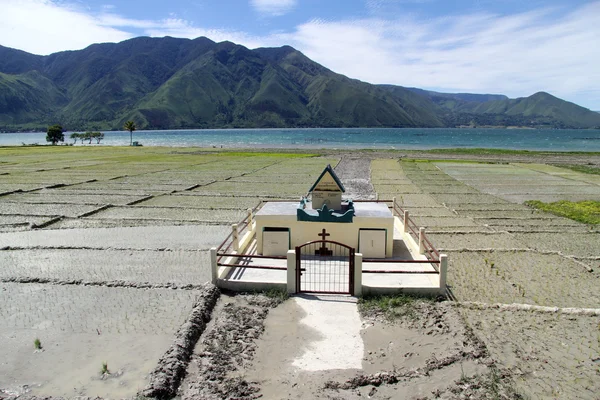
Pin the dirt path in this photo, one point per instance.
(427, 352)
(355, 173)
(226, 348)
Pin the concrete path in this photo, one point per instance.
(337, 343)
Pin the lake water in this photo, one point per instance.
(344, 138)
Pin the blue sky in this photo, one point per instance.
(513, 47)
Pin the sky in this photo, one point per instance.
(511, 47)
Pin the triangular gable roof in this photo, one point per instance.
(333, 175)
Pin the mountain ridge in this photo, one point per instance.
(171, 83)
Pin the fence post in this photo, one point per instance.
(250, 217)
(393, 206)
(358, 274)
(443, 271)
(235, 237)
(406, 217)
(291, 271)
(214, 269)
(421, 240)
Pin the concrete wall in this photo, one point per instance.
(243, 243)
(347, 233)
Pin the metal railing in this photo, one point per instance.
(243, 260)
(243, 225)
(430, 252)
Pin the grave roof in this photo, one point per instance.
(331, 172)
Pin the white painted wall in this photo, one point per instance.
(302, 232)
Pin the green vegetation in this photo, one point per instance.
(37, 344)
(89, 136)
(130, 126)
(391, 306)
(224, 152)
(74, 136)
(586, 169)
(481, 151)
(495, 384)
(168, 83)
(55, 134)
(277, 294)
(443, 160)
(104, 370)
(587, 211)
(538, 110)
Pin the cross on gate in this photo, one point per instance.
(323, 251)
(324, 234)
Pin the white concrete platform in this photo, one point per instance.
(404, 269)
(240, 278)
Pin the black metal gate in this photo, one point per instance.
(325, 266)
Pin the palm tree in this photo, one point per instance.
(130, 126)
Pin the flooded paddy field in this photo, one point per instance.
(103, 252)
(524, 256)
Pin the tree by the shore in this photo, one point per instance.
(98, 136)
(88, 137)
(55, 134)
(74, 136)
(130, 126)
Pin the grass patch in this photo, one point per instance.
(587, 211)
(483, 151)
(391, 306)
(494, 385)
(586, 169)
(443, 160)
(104, 370)
(277, 294)
(264, 154)
(37, 344)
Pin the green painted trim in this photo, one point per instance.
(325, 215)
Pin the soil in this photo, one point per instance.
(355, 173)
(251, 350)
(148, 240)
(226, 348)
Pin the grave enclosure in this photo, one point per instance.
(327, 244)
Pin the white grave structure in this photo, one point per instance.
(366, 226)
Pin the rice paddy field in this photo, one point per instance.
(101, 250)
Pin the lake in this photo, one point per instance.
(346, 138)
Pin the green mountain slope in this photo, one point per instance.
(181, 83)
(539, 109)
(230, 85)
(468, 97)
(542, 105)
(28, 98)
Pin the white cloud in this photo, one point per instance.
(273, 8)
(42, 27)
(516, 54)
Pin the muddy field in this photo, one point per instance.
(103, 253)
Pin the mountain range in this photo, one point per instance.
(170, 83)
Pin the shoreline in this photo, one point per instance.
(344, 139)
(442, 151)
